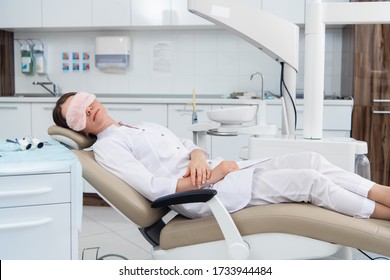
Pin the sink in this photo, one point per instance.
(233, 116)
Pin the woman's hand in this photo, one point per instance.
(198, 169)
(221, 170)
(218, 173)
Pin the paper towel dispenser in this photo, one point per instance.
(112, 53)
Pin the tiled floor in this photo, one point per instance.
(105, 228)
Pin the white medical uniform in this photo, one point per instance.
(150, 158)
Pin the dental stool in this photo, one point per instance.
(278, 231)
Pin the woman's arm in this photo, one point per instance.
(217, 174)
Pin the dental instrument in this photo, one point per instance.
(194, 113)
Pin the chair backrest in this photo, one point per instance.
(112, 189)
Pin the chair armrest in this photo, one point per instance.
(192, 196)
(237, 247)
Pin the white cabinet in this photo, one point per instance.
(111, 13)
(181, 16)
(20, 13)
(135, 113)
(164, 13)
(150, 12)
(337, 118)
(290, 10)
(41, 119)
(15, 120)
(70, 13)
(40, 204)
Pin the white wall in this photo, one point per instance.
(210, 61)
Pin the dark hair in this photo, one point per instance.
(57, 116)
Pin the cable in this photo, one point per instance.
(283, 84)
(377, 258)
(112, 255)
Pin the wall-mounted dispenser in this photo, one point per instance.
(40, 63)
(26, 50)
(112, 53)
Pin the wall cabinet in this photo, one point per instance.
(111, 13)
(181, 16)
(70, 13)
(20, 13)
(290, 10)
(150, 12)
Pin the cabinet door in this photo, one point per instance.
(291, 10)
(41, 119)
(15, 120)
(111, 13)
(150, 12)
(180, 120)
(135, 113)
(70, 13)
(35, 232)
(181, 16)
(20, 13)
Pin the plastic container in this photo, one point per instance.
(362, 166)
(27, 59)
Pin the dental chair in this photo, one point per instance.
(278, 231)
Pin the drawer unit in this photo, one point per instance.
(34, 189)
(35, 232)
(40, 203)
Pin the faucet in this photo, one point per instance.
(262, 83)
(54, 92)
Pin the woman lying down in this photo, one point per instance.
(155, 162)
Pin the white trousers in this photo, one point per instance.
(309, 177)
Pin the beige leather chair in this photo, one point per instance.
(280, 231)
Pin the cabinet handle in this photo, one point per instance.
(188, 110)
(18, 193)
(126, 109)
(381, 100)
(27, 224)
(9, 107)
(381, 112)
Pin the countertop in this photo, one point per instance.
(161, 99)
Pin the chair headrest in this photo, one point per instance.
(70, 138)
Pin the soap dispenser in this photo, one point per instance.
(40, 64)
(27, 58)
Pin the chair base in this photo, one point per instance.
(267, 246)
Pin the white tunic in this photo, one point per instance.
(150, 158)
